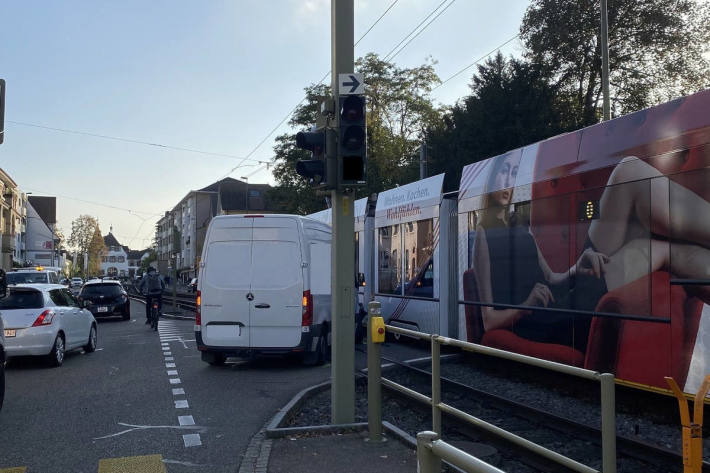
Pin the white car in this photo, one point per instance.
(2, 364)
(77, 282)
(45, 320)
(38, 275)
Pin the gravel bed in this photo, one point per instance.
(316, 411)
(662, 430)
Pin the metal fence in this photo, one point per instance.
(375, 382)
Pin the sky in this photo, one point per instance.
(214, 76)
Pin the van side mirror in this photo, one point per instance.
(3, 283)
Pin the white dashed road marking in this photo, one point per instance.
(181, 404)
(174, 380)
(178, 391)
(172, 373)
(191, 440)
(170, 365)
(186, 420)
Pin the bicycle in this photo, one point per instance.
(154, 315)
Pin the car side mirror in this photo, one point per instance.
(87, 304)
(3, 283)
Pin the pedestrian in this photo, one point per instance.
(152, 287)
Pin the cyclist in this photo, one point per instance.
(152, 287)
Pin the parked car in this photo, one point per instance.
(77, 282)
(45, 320)
(3, 293)
(264, 287)
(36, 275)
(105, 298)
(193, 285)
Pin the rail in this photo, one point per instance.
(431, 450)
(376, 331)
(185, 301)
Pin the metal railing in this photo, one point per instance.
(375, 381)
(431, 450)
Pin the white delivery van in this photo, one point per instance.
(264, 288)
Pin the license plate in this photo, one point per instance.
(10, 332)
(102, 309)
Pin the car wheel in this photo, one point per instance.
(320, 354)
(90, 347)
(214, 359)
(56, 356)
(127, 314)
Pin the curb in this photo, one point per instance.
(256, 457)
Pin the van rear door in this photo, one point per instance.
(277, 283)
(226, 288)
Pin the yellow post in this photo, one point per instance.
(692, 430)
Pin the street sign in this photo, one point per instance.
(351, 83)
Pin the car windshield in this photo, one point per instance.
(22, 299)
(102, 290)
(26, 278)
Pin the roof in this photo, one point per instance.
(136, 254)
(110, 240)
(46, 207)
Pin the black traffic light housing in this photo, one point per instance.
(352, 141)
(2, 110)
(313, 169)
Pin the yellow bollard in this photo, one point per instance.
(692, 431)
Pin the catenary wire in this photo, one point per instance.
(100, 204)
(461, 71)
(131, 140)
(288, 115)
(386, 57)
(391, 58)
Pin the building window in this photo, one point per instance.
(104, 259)
(112, 271)
(111, 259)
(121, 259)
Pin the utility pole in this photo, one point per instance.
(343, 225)
(422, 160)
(605, 61)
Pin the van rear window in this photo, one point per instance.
(277, 264)
(228, 264)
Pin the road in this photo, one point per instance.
(143, 402)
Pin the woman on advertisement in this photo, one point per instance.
(629, 240)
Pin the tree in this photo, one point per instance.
(96, 250)
(399, 109)
(512, 104)
(655, 50)
(82, 232)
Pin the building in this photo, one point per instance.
(114, 262)
(135, 257)
(180, 233)
(11, 219)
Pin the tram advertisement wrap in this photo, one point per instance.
(593, 248)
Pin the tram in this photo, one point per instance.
(591, 248)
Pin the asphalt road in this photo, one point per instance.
(118, 410)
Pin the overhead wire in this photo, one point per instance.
(386, 57)
(134, 141)
(291, 112)
(461, 71)
(420, 31)
(100, 204)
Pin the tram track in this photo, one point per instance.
(647, 456)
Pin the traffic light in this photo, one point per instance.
(352, 143)
(312, 169)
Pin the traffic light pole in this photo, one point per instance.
(342, 250)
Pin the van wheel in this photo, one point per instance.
(214, 359)
(2, 381)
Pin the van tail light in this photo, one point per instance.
(198, 314)
(307, 316)
(45, 318)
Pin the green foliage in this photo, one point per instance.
(511, 105)
(655, 51)
(399, 109)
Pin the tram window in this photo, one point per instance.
(419, 245)
(389, 266)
